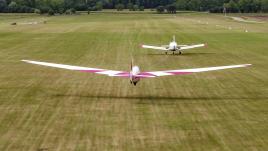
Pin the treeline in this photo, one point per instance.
(169, 6)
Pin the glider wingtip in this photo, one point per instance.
(246, 65)
(29, 61)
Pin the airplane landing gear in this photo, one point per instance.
(180, 52)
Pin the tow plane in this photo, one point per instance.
(173, 47)
(135, 74)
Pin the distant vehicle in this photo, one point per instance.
(134, 74)
(173, 47)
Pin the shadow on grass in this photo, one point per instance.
(183, 54)
(161, 99)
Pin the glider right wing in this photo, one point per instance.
(152, 74)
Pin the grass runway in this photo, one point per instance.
(51, 109)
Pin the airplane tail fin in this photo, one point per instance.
(174, 38)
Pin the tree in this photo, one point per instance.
(256, 5)
(135, 7)
(264, 5)
(51, 12)
(73, 10)
(141, 8)
(44, 9)
(130, 6)
(233, 7)
(226, 6)
(59, 6)
(181, 4)
(37, 11)
(160, 9)
(171, 8)
(3, 5)
(244, 6)
(69, 3)
(12, 7)
(120, 7)
(194, 5)
(99, 6)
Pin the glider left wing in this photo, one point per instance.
(113, 73)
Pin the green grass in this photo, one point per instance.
(46, 108)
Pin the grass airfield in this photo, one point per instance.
(51, 109)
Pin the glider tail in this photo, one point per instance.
(131, 64)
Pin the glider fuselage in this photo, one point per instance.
(133, 75)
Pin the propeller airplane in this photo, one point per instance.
(173, 46)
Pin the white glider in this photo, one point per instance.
(173, 46)
(134, 74)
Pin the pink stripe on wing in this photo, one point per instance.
(122, 73)
(178, 73)
(146, 74)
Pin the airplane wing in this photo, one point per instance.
(154, 47)
(112, 73)
(186, 71)
(165, 46)
(191, 46)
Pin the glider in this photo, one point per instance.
(134, 74)
(173, 46)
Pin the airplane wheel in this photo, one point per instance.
(180, 53)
